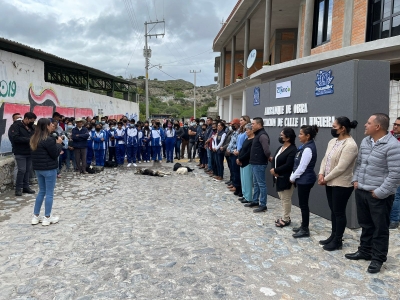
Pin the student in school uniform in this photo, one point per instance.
(157, 135)
(170, 139)
(120, 146)
(99, 144)
(131, 136)
(140, 138)
(111, 143)
(90, 152)
(146, 141)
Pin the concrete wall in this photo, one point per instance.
(361, 88)
(23, 89)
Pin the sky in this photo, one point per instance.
(109, 34)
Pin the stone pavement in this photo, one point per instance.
(128, 236)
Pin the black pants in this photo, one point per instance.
(24, 163)
(374, 218)
(192, 149)
(303, 191)
(112, 154)
(338, 197)
(235, 171)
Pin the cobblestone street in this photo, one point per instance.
(128, 236)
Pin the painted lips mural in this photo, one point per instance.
(43, 105)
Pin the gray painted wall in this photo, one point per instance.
(361, 88)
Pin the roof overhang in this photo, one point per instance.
(385, 49)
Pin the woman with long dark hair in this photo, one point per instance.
(304, 176)
(336, 173)
(45, 152)
(282, 166)
(218, 140)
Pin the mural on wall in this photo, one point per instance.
(43, 105)
(25, 90)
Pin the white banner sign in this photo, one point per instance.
(283, 89)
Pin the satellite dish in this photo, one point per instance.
(252, 58)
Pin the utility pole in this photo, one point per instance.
(147, 55)
(194, 91)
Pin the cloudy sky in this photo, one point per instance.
(109, 34)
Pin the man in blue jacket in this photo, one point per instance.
(80, 136)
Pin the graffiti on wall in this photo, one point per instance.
(8, 89)
(43, 104)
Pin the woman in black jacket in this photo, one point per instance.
(45, 152)
(282, 166)
(247, 171)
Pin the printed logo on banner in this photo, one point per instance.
(256, 96)
(283, 89)
(324, 86)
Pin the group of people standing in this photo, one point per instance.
(373, 172)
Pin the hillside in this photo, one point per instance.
(175, 97)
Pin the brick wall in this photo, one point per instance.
(239, 67)
(359, 22)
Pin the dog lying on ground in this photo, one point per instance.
(151, 172)
(178, 166)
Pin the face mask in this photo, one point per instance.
(30, 124)
(131, 125)
(230, 128)
(193, 124)
(70, 126)
(281, 140)
(215, 129)
(169, 125)
(185, 126)
(204, 129)
(334, 133)
(103, 122)
(201, 123)
(111, 128)
(93, 129)
(98, 129)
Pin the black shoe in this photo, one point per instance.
(260, 209)
(237, 193)
(335, 244)
(303, 232)
(374, 267)
(327, 241)
(28, 191)
(240, 198)
(251, 204)
(18, 192)
(394, 225)
(240, 195)
(296, 229)
(228, 182)
(357, 255)
(244, 201)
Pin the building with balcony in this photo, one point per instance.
(296, 36)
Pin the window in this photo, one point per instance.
(384, 19)
(322, 27)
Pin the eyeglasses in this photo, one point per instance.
(396, 124)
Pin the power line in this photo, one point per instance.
(166, 73)
(186, 58)
(155, 10)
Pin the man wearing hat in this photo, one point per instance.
(80, 136)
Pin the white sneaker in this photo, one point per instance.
(129, 165)
(36, 220)
(50, 220)
(135, 165)
(147, 161)
(140, 162)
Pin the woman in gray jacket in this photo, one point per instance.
(336, 174)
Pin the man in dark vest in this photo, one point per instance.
(20, 135)
(259, 156)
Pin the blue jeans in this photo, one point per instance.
(209, 159)
(395, 212)
(70, 156)
(260, 186)
(46, 181)
(178, 148)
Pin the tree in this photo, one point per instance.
(140, 77)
